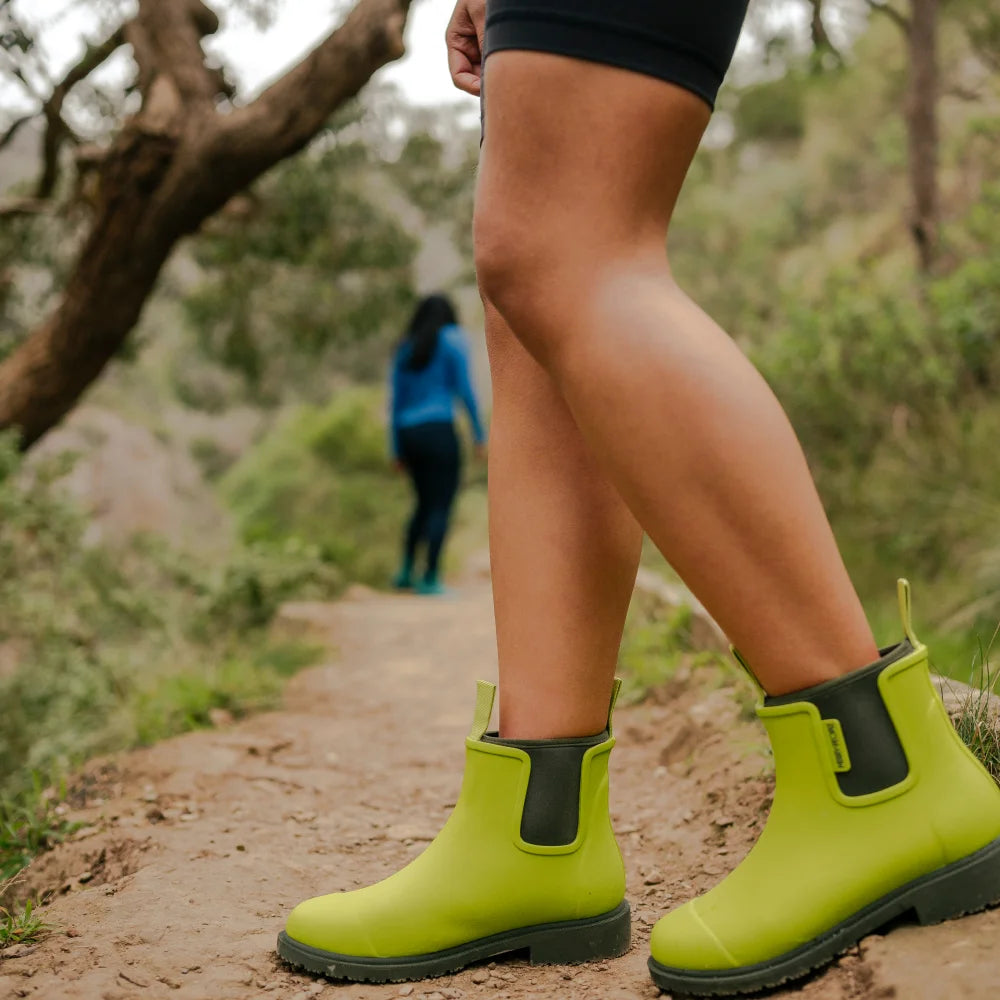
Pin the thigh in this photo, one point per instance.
(596, 152)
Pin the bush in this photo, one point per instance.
(322, 481)
(100, 650)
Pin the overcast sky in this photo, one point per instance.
(258, 56)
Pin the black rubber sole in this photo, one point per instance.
(567, 942)
(966, 886)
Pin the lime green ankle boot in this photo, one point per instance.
(526, 861)
(879, 810)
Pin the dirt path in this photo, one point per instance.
(195, 849)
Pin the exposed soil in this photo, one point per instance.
(194, 850)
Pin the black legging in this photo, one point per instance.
(431, 455)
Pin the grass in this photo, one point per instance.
(656, 642)
(978, 722)
(19, 925)
(29, 824)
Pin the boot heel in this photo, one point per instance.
(606, 936)
(965, 886)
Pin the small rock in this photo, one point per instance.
(220, 717)
(241, 847)
(18, 951)
(72, 932)
(480, 976)
(405, 991)
(653, 877)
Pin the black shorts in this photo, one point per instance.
(682, 41)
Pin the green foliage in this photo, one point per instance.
(239, 684)
(430, 183)
(774, 111)
(304, 273)
(29, 824)
(323, 475)
(656, 642)
(978, 722)
(20, 926)
(100, 650)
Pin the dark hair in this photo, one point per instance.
(431, 314)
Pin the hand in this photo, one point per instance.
(479, 450)
(464, 38)
(398, 466)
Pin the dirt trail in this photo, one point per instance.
(195, 849)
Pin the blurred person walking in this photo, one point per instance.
(429, 371)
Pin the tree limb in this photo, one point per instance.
(898, 18)
(166, 41)
(13, 207)
(291, 111)
(57, 131)
(8, 137)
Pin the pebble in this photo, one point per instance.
(653, 878)
(480, 976)
(405, 991)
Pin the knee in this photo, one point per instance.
(520, 276)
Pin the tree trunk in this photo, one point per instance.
(922, 128)
(172, 166)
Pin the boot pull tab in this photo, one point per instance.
(905, 609)
(738, 657)
(616, 688)
(485, 693)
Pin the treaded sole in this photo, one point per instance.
(963, 887)
(566, 942)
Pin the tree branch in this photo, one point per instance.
(56, 129)
(15, 126)
(166, 41)
(13, 207)
(290, 112)
(884, 7)
(820, 36)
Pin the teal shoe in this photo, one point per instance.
(403, 580)
(432, 587)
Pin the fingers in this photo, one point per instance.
(463, 38)
(465, 74)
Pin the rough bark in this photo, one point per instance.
(922, 128)
(172, 166)
(920, 30)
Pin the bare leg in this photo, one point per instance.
(564, 553)
(581, 168)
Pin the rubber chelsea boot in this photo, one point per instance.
(526, 861)
(879, 810)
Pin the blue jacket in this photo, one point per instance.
(428, 396)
